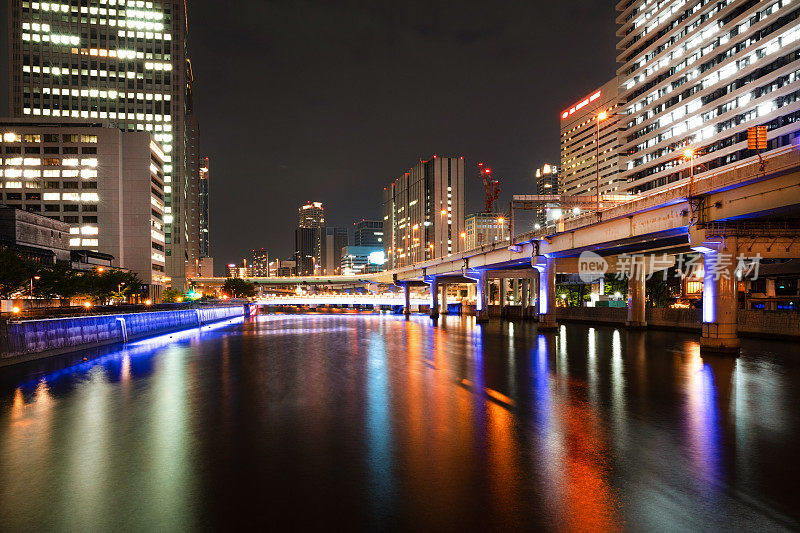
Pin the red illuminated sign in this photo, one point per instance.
(580, 105)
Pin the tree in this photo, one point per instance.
(171, 295)
(58, 280)
(238, 288)
(111, 283)
(15, 272)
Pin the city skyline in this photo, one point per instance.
(501, 266)
(324, 136)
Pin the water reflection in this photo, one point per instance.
(379, 430)
(377, 421)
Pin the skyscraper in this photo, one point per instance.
(308, 250)
(368, 233)
(333, 241)
(423, 212)
(204, 191)
(308, 238)
(588, 151)
(260, 266)
(311, 215)
(548, 181)
(125, 61)
(696, 75)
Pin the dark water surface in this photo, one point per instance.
(376, 422)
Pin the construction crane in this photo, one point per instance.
(491, 185)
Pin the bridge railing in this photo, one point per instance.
(679, 189)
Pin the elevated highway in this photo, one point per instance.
(341, 299)
(751, 208)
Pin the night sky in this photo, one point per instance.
(329, 101)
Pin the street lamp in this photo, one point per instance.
(601, 116)
(689, 154)
(34, 278)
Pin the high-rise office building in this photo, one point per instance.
(485, 228)
(204, 188)
(105, 183)
(193, 165)
(696, 75)
(548, 181)
(260, 265)
(334, 240)
(123, 61)
(308, 251)
(583, 158)
(368, 233)
(308, 238)
(423, 212)
(311, 215)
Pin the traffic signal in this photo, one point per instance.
(757, 138)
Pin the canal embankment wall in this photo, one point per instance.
(752, 322)
(22, 340)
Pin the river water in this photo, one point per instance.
(377, 422)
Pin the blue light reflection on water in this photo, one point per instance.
(379, 427)
(122, 362)
(413, 417)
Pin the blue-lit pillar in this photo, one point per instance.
(719, 327)
(482, 297)
(547, 291)
(434, 287)
(407, 296)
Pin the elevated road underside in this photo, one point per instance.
(744, 209)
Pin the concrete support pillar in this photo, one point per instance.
(719, 333)
(407, 296)
(636, 296)
(434, 297)
(502, 294)
(443, 309)
(770, 293)
(535, 296)
(482, 298)
(547, 292)
(525, 297)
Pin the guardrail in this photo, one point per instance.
(679, 190)
(94, 310)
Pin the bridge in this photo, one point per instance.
(751, 208)
(341, 300)
(322, 281)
